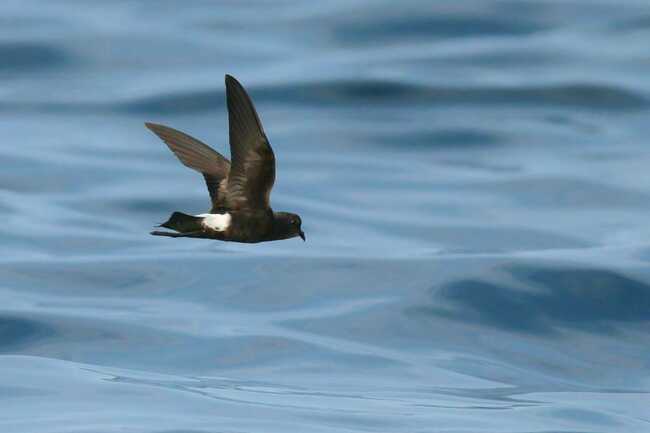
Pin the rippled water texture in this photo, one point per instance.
(473, 181)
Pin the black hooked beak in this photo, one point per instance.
(302, 236)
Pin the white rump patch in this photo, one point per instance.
(218, 222)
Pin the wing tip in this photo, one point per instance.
(153, 126)
(232, 83)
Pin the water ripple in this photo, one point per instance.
(31, 57)
(592, 300)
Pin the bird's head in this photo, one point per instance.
(288, 225)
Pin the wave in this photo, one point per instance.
(395, 28)
(548, 299)
(597, 96)
(31, 57)
(607, 97)
(16, 332)
(182, 102)
(452, 138)
(566, 192)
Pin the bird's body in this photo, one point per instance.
(240, 190)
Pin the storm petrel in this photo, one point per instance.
(240, 190)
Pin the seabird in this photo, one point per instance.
(239, 190)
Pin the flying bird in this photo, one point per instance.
(239, 190)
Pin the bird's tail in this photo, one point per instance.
(183, 223)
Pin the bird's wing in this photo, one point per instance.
(198, 156)
(253, 164)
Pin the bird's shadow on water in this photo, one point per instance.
(546, 300)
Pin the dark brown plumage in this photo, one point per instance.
(240, 191)
(200, 157)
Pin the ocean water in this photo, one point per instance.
(473, 178)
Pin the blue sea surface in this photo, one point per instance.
(473, 179)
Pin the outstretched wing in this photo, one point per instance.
(253, 163)
(200, 157)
